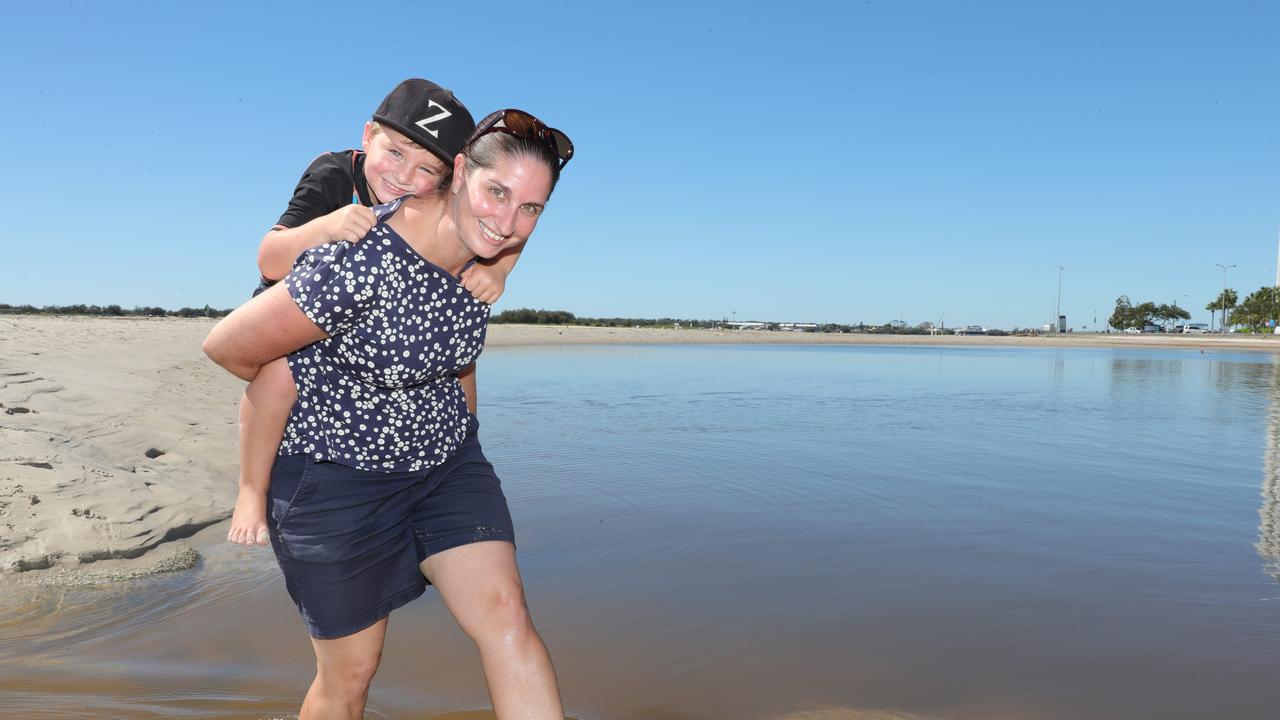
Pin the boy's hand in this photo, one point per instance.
(485, 282)
(350, 223)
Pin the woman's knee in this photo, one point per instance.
(353, 673)
(504, 612)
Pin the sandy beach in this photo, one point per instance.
(117, 435)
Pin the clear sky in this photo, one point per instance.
(786, 161)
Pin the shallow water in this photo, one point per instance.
(803, 532)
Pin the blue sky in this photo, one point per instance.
(787, 161)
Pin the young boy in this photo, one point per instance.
(408, 149)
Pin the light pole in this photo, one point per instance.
(1057, 307)
(1223, 326)
(1175, 305)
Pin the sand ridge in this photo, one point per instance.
(116, 435)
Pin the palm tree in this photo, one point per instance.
(1224, 303)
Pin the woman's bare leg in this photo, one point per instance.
(264, 410)
(344, 670)
(480, 584)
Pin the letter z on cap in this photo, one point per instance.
(429, 115)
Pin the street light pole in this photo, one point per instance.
(1176, 307)
(1223, 327)
(1057, 308)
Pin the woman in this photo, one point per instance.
(381, 486)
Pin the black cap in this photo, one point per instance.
(428, 115)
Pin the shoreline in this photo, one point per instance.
(118, 435)
(513, 335)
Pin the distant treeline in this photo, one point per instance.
(523, 316)
(527, 316)
(110, 311)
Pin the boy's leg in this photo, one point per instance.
(264, 410)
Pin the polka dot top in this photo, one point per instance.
(381, 393)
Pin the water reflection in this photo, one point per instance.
(1140, 371)
(1269, 527)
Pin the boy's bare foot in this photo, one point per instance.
(249, 521)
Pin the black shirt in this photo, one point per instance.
(332, 181)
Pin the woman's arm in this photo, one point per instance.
(265, 328)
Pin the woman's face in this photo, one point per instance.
(497, 207)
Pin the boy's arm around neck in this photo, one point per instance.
(281, 246)
(486, 280)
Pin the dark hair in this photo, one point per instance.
(446, 180)
(488, 149)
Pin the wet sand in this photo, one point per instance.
(117, 434)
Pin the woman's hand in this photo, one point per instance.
(267, 327)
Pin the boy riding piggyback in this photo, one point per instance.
(407, 148)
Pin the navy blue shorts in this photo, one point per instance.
(349, 541)
(263, 284)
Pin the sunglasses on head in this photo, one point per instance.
(521, 124)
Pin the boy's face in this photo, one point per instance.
(395, 166)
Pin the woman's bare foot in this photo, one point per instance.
(249, 521)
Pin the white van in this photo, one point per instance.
(1195, 328)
